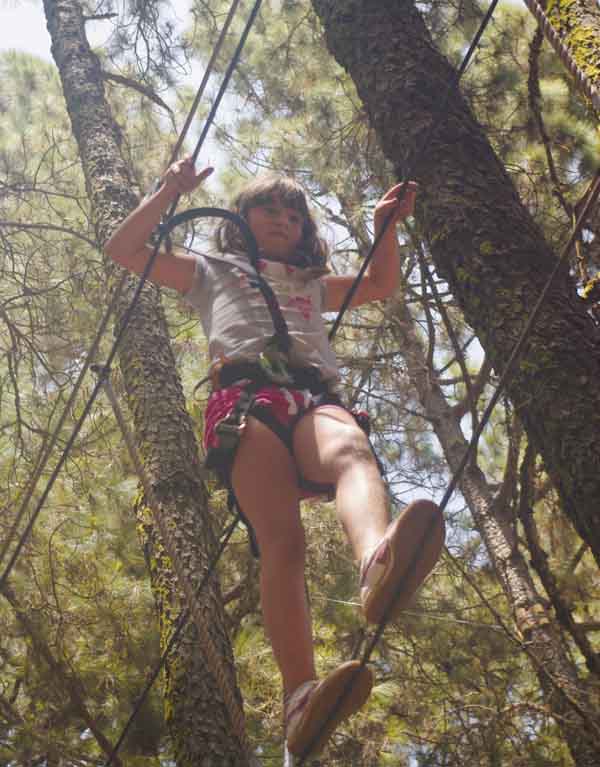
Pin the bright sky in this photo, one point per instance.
(23, 26)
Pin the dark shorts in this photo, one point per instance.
(278, 407)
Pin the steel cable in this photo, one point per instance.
(123, 325)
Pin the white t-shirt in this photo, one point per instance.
(237, 322)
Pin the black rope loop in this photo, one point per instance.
(45, 454)
(282, 334)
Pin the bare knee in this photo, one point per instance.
(351, 451)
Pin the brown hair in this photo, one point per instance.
(312, 250)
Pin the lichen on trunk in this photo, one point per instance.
(578, 25)
(199, 721)
(483, 241)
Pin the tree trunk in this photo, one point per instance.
(564, 692)
(578, 24)
(200, 723)
(483, 241)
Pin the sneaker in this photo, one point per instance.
(388, 573)
(309, 721)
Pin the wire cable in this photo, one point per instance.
(418, 154)
(125, 320)
(48, 448)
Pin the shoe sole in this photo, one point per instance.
(318, 723)
(415, 545)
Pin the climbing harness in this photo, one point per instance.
(48, 447)
(214, 661)
(231, 703)
(46, 451)
(273, 367)
(559, 266)
(276, 364)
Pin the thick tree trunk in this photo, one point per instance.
(483, 241)
(564, 692)
(200, 723)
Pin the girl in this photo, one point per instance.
(296, 439)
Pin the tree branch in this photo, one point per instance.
(136, 86)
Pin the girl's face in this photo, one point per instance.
(277, 228)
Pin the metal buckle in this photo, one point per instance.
(229, 433)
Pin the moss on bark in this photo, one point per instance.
(483, 241)
(199, 722)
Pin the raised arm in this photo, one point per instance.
(128, 246)
(383, 274)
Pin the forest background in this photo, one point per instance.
(497, 662)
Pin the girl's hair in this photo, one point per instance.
(312, 250)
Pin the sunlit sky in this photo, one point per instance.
(23, 26)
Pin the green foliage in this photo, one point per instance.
(452, 686)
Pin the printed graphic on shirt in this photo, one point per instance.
(291, 294)
(304, 305)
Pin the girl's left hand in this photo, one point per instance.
(399, 202)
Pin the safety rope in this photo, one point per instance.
(581, 79)
(48, 448)
(416, 159)
(525, 333)
(504, 378)
(214, 659)
(377, 634)
(202, 87)
(190, 595)
(122, 328)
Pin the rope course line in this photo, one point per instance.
(232, 704)
(192, 597)
(523, 646)
(525, 333)
(48, 448)
(506, 373)
(125, 320)
(202, 87)
(581, 79)
(214, 659)
(418, 154)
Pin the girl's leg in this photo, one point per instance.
(331, 448)
(264, 479)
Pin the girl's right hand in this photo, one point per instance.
(181, 177)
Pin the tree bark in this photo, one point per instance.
(578, 25)
(483, 241)
(564, 692)
(199, 721)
